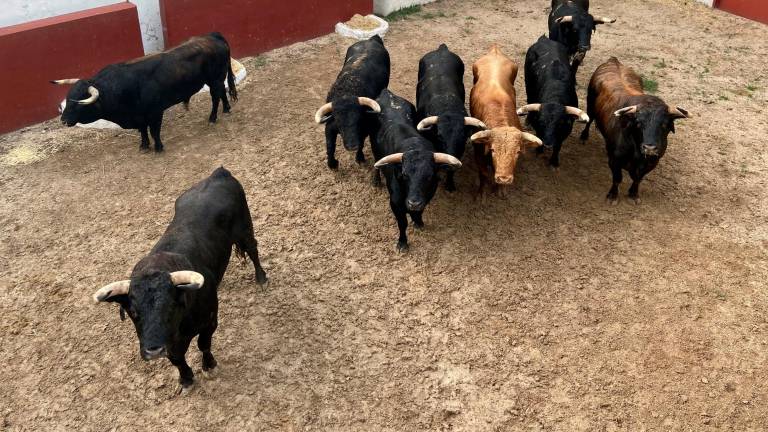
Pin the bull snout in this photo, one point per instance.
(415, 205)
(650, 150)
(504, 179)
(152, 353)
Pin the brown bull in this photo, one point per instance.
(635, 125)
(493, 102)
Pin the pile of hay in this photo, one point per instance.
(360, 22)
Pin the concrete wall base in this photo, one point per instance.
(386, 7)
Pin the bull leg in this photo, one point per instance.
(575, 68)
(585, 133)
(331, 133)
(215, 97)
(634, 190)
(450, 182)
(481, 168)
(402, 224)
(144, 139)
(360, 156)
(554, 160)
(418, 222)
(154, 129)
(376, 178)
(613, 194)
(204, 344)
(250, 246)
(224, 100)
(177, 358)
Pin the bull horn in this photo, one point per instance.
(480, 135)
(446, 159)
(528, 109)
(395, 158)
(427, 123)
(323, 114)
(532, 138)
(190, 278)
(372, 104)
(628, 110)
(94, 96)
(473, 122)
(111, 290)
(565, 19)
(582, 116)
(69, 81)
(678, 112)
(604, 20)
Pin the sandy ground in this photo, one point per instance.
(547, 310)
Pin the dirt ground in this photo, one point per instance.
(547, 310)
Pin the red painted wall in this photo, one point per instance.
(255, 26)
(753, 9)
(68, 46)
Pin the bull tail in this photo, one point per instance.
(231, 83)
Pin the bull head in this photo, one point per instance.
(155, 303)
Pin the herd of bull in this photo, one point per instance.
(171, 296)
(413, 143)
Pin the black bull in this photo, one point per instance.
(364, 75)
(440, 104)
(171, 296)
(135, 94)
(408, 160)
(571, 24)
(552, 101)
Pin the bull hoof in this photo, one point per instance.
(555, 169)
(159, 149)
(209, 363)
(450, 187)
(227, 110)
(635, 199)
(185, 389)
(212, 119)
(144, 148)
(333, 164)
(402, 247)
(612, 201)
(261, 278)
(361, 160)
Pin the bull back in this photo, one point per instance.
(493, 96)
